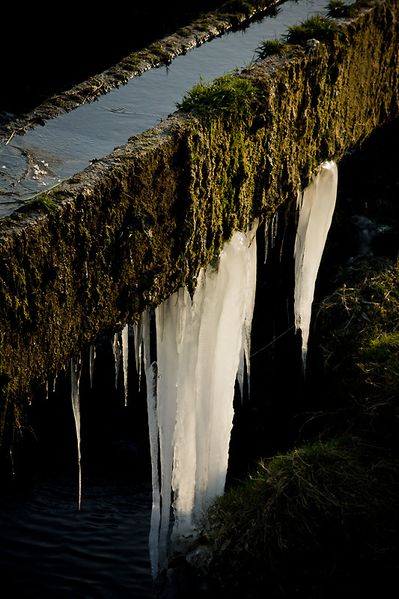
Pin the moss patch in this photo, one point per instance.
(362, 347)
(294, 525)
(270, 48)
(229, 94)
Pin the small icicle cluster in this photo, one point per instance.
(201, 346)
(120, 353)
(316, 207)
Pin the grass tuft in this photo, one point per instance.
(270, 48)
(359, 325)
(306, 511)
(227, 94)
(337, 9)
(320, 28)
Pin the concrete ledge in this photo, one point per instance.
(133, 227)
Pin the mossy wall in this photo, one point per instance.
(88, 256)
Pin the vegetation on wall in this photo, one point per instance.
(228, 94)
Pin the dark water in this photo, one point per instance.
(49, 549)
(64, 146)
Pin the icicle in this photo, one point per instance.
(166, 316)
(151, 377)
(75, 398)
(199, 344)
(316, 206)
(47, 388)
(138, 343)
(245, 360)
(116, 348)
(125, 359)
(54, 383)
(267, 224)
(92, 359)
(273, 230)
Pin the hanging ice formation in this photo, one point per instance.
(120, 348)
(271, 229)
(316, 206)
(125, 359)
(201, 346)
(75, 398)
(92, 359)
(116, 348)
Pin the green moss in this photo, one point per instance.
(358, 326)
(245, 7)
(378, 362)
(270, 48)
(44, 201)
(160, 52)
(320, 28)
(227, 94)
(302, 515)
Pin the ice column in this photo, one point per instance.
(92, 359)
(75, 398)
(316, 206)
(125, 360)
(117, 351)
(201, 344)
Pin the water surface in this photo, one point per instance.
(48, 154)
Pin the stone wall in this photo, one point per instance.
(89, 255)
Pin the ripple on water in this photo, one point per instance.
(50, 549)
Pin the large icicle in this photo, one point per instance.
(92, 359)
(125, 360)
(138, 344)
(316, 206)
(75, 399)
(116, 349)
(200, 343)
(142, 336)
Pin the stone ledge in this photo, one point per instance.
(129, 230)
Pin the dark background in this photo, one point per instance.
(46, 49)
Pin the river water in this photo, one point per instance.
(48, 154)
(51, 550)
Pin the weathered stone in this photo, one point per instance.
(128, 231)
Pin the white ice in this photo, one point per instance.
(116, 348)
(316, 207)
(92, 359)
(75, 399)
(138, 344)
(271, 230)
(201, 346)
(125, 360)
